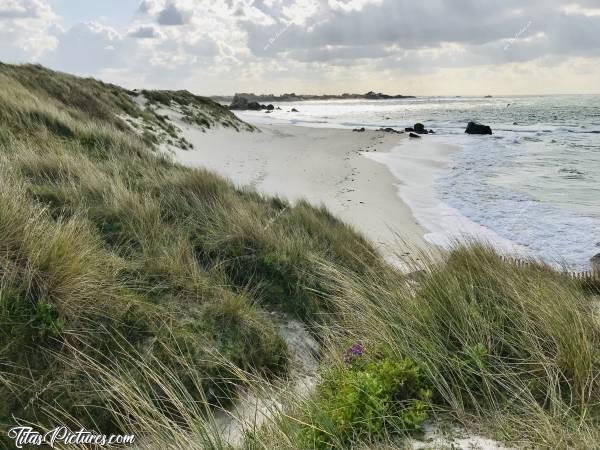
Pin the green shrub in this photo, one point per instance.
(366, 400)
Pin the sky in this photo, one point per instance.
(426, 47)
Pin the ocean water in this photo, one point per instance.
(535, 182)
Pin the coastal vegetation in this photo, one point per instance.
(141, 296)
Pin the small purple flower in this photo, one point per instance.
(356, 351)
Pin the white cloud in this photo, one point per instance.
(574, 8)
(27, 29)
(351, 5)
(24, 9)
(309, 45)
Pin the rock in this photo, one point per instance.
(295, 110)
(254, 106)
(359, 130)
(278, 108)
(268, 112)
(270, 107)
(596, 263)
(413, 135)
(477, 128)
(419, 128)
(409, 129)
(431, 132)
(239, 102)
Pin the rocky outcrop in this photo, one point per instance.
(477, 128)
(379, 96)
(413, 135)
(242, 102)
(359, 130)
(420, 129)
(239, 102)
(255, 106)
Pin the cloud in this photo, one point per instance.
(20, 9)
(27, 30)
(144, 32)
(351, 5)
(171, 15)
(307, 44)
(89, 47)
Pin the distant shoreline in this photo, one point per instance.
(250, 97)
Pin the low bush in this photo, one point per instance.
(365, 400)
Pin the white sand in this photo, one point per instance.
(322, 165)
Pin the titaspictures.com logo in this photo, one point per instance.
(63, 436)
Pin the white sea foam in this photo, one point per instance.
(417, 166)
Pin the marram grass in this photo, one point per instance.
(135, 295)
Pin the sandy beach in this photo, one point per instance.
(325, 166)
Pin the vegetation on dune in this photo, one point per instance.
(200, 111)
(135, 294)
(513, 349)
(106, 244)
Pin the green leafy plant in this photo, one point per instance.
(367, 400)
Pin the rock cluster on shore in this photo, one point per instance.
(245, 104)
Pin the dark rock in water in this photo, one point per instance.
(359, 130)
(268, 112)
(295, 110)
(488, 96)
(242, 103)
(278, 108)
(419, 128)
(270, 107)
(409, 129)
(413, 135)
(477, 128)
(431, 132)
(254, 106)
(515, 123)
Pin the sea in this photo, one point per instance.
(535, 182)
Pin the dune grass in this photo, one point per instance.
(135, 294)
(101, 235)
(513, 350)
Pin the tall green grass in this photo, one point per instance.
(105, 242)
(136, 295)
(513, 350)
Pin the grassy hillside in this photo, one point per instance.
(135, 293)
(102, 238)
